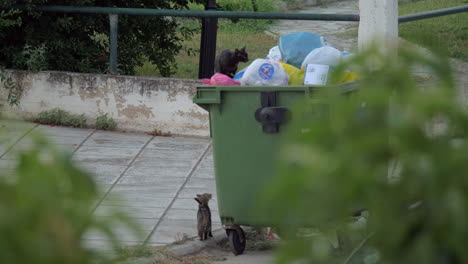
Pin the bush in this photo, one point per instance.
(6, 21)
(394, 148)
(74, 42)
(105, 123)
(61, 117)
(32, 58)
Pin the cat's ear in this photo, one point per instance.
(209, 196)
(243, 49)
(236, 50)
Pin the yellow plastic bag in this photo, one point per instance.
(296, 76)
(349, 77)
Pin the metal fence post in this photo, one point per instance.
(114, 32)
(208, 43)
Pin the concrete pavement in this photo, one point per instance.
(154, 179)
(340, 34)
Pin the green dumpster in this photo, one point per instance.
(246, 123)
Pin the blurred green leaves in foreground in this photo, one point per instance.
(395, 147)
(46, 210)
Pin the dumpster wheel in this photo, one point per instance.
(236, 240)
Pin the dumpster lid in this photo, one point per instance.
(207, 94)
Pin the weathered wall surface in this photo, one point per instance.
(142, 104)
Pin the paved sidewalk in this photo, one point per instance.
(153, 178)
(340, 34)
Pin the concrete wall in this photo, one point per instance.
(140, 104)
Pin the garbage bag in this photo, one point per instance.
(220, 79)
(295, 47)
(325, 55)
(275, 54)
(296, 76)
(239, 74)
(349, 77)
(264, 72)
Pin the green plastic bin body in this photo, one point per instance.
(244, 155)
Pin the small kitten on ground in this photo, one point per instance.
(203, 216)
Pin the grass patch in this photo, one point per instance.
(136, 252)
(161, 256)
(244, 25)
(257, 45)
(105, 122)
(61, 117)
(231, 34)
(448, 34)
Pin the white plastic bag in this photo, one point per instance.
(274, 54)
(326, 55)
(264, 72)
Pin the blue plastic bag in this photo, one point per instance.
(239, 74)
(295, 47)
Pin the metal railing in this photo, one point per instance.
(210, 16)
(432, 14)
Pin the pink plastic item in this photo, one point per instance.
(220, 79)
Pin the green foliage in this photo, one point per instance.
(8, 83)
(293, 4)
(45, 209)
(244, 25)
(33, 58)
(70, 39)
(393, 147)
(61, 117)
(105, 122)
(140, 251)
(247, 25)
(8, 20)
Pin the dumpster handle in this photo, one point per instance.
(270, 115)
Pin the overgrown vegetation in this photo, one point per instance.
(140, 251)
(13, 93)
(160, 255)
(32, 58)
(447, 33)
(105, 122)
(46, 210)
(69, 42)
(61, 117)
(244, 25)
(8, 20)
(393, 148)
